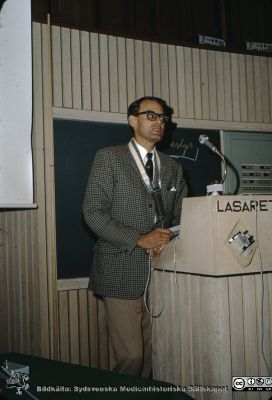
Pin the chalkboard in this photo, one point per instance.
(75, 145)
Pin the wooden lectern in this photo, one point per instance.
(215, 324)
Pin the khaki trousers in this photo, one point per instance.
(129, 328)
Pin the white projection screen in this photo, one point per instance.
(16, 164)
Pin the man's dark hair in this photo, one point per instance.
(134, 107)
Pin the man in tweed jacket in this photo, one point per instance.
(120, 209)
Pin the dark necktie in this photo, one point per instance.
(149, 166)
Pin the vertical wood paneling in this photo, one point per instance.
(242, 87)
(263, 329)
(227, 87)
(204, 84)
(174, 329)
(250, 328)
(195, 287)
(122, 74)
(93, 329)
(56, 66)
(131, 84)
(156, 75)
(113, 75)
(235, 87)
(236, 325)
(258, 88)
(164, 69)
(236, 329)
(66, 63)
(8, 282)
(139, 69)
(217, 324)
(181, 82)
(25, 276)
(104, 73)
(188, 69)
(85, 70)
(95, 71)
(76, 69)
(63, 313)
(14, 323)
(83, 327)
(157, 340)
(148, 82)
(251, 111)
(103, 344)
(212, 85)
(73, 326)
(265, 99)
(186, 330)
(220, 85)
(173, 94)
(197, 83)
(4, 288)
(38, 321)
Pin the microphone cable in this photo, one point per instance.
(146, 291)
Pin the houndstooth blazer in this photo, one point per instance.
(118, 208)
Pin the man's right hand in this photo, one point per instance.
(155, 238)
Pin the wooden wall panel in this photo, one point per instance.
(210, 330)
(122, 74)
(156, 71)
(104, 73)
(82, 330)
(139, 69)
(85, 70)
(77, 87)
(95, 71)
(220, 86)
(57, 66)
(236, 114)
(188, 69)
(113, 75)
(172, 79)
(66, 68)
(148, 83)
(199, 84)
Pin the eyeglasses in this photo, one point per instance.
(153, 116)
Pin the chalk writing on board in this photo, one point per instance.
(187, 150)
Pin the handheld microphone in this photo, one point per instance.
(203, 139)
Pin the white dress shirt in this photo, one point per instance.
(143, 152)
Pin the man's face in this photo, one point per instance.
(148, 133)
